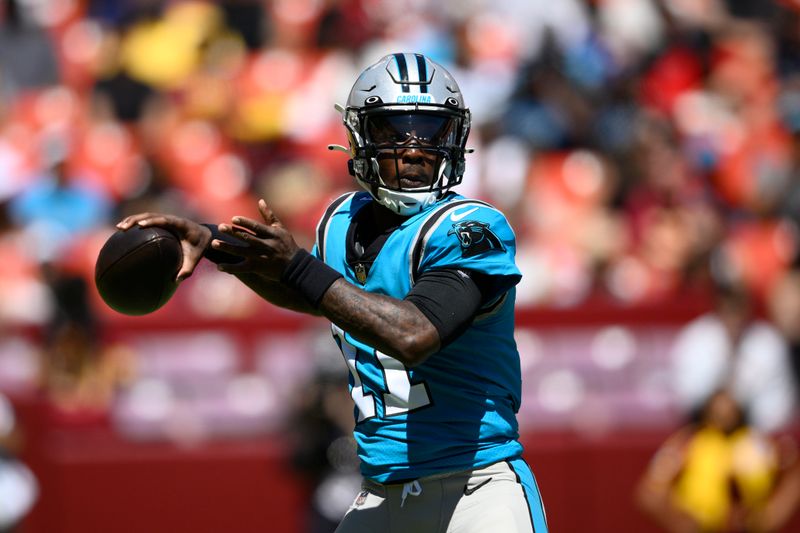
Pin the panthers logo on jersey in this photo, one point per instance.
(475, 237)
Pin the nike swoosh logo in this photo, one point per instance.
(455, 217)
(468, 491)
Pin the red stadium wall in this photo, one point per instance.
(92, 479)
(587, 486)
(98, 483)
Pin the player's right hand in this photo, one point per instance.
(193, 236)
(269, 245)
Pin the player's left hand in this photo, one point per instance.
(269, 248)
(193, 236)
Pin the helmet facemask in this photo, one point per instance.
(388, 133)
(389, 115)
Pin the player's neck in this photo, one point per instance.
(384, 217)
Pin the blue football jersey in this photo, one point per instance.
(457, 410)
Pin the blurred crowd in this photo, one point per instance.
(645, 151)
(641, 148)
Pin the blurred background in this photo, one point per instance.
(647, 153)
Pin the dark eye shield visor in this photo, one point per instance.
(402, 128)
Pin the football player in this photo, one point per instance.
(418, 283)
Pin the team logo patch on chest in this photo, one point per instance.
(475, 238)
(361, 272)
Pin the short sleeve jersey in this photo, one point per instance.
(457, 410)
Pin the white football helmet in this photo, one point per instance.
(406, 101)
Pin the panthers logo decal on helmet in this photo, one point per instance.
(475, 238)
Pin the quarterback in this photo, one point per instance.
(418, 283)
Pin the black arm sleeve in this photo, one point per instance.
(449, 298)
(217, 256)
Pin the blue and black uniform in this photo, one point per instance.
(456, 411)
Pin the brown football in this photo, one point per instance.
(136, 269)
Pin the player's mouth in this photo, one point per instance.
(414, 180)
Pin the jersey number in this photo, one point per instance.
(400, 396)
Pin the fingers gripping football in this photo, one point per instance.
(194, 238)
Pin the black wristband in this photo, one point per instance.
(310, 276)
(217, 256)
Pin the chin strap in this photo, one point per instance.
(403, 204)
(338, 148)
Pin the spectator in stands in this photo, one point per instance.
(728, 348)
(18, 487)
(784, 309)
(721, 474)
(27, 55)
(324, 451)
(786, 192)
(81, 373)
(57, 206)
